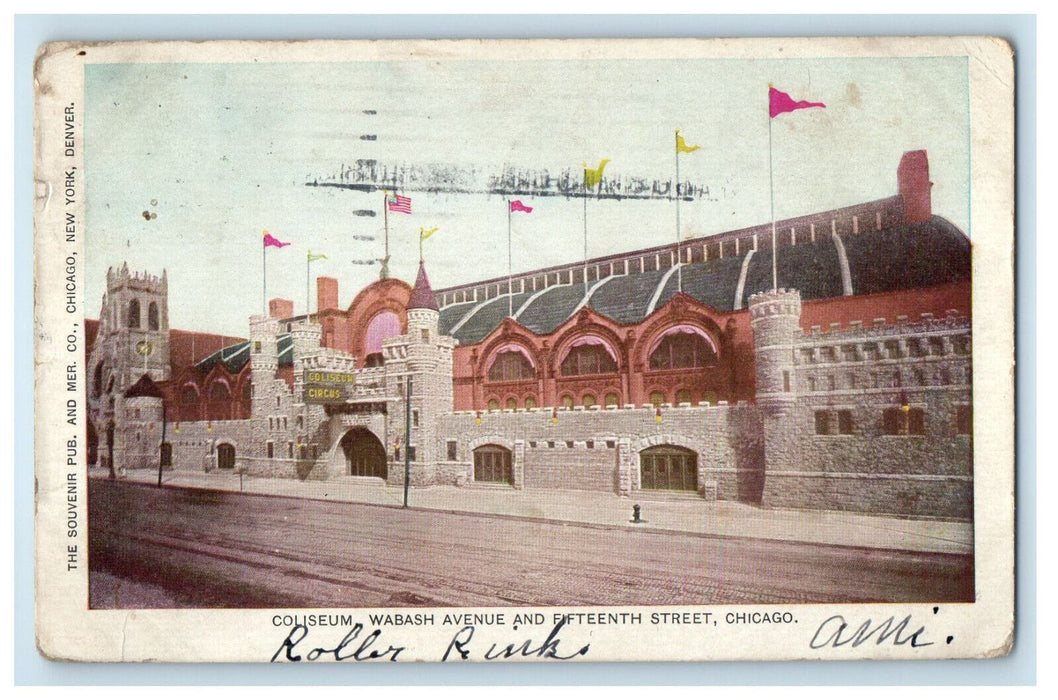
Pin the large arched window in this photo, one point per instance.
(134, 314)
(589, 355)
(511, 364)
(152, 316)
(682, 347)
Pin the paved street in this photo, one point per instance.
(197, 548)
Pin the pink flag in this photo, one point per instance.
(517, 205)
(781, 102)
(270, 240)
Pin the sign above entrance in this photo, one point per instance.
(323, 387)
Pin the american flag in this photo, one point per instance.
(397, 203)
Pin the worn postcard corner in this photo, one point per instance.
(608, 350)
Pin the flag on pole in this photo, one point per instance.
(780, 102)
(681, 145)
(270, 240)
(398, 203)
(517, 205)
(593, 177)
(425, 233)
(320, 256)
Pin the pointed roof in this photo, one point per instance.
(422, 296)
(145, 386)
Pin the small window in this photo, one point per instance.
(277, 402)
(611, 444)
(822, 422)
(271, 423)
(811, 383)
(786, 380)
(963, 420)
(551, 444)
(588, 400)
(257, 347)
(425, 333)
(290, 450)
(845, 425)
(530, 403)
(411, 452)
(893, 421)
(569, 444)
(512, 403)
(452, 445)
(831, 385)
(532, 444)
(270, 448)
(916, 421)
(590, 444)
(415, 418)
(494, 405)
(284, 422)
(152, 316)
(850, 380)
(299, 422)
(657, 398)
(683, 396)
(567, 402)
(612, 400)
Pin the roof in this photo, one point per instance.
(234, 357)
(900, 256)
(422, 296)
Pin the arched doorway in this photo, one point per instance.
(668, 468)
(492, 464)
(364, 454)
(225, 456)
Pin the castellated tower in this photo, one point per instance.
(424, 356)
(263, 363)
(132, 341)
(775, 317)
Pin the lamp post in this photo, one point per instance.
(407, 440)
(161, 447)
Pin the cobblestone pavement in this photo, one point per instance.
(222, 549)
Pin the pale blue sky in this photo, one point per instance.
(224, 149)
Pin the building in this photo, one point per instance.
(665, 369)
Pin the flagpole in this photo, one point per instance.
(585, 232)
(771, 191)
(264, 277)
(308, 276)
(679, 251)
(385, 218)
(510, 286)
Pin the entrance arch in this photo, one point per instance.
(364, 454)
(668, 468)
(225, 456)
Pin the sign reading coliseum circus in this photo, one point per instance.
(322, 387)
(603, 351)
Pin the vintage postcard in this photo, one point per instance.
(472, 351)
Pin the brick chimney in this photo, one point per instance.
(914, 186)
(280, 308)
(326, 293)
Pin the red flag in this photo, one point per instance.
(517, 205)
(781, 102)
(270, 240)
(397, 203)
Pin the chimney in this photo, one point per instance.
(326, 293)
(280, 308)
(914, 186)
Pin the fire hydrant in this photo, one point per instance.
(635, 514)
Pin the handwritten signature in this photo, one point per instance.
(836, 632)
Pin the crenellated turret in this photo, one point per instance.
(775, 317)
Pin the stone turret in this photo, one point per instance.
(775, 317)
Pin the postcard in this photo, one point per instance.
(478, 351)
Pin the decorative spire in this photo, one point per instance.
(422, 296)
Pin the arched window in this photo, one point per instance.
(588, 355)
(682, 348)
(375, 359)
(612, 399)
(134, 314)
(567, 401)
(219, 392)
(683, 396)
(189, 394)
(152, 316)
(382, 325)
(588, 400)
(511, 366)
(657, 398)
(97, 381)
(512, 403)
(494, 404)
(530, 402)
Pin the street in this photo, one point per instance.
(174, 547)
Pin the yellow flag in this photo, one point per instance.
(681, 145)
(425, 233)
(594, 177)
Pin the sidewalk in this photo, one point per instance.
(660, 511)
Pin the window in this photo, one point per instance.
(936, 346)
(567, 402)
(822, 423)
(831, 385)
(588, 400)
(492, 464)
(963, 420)
(657, 398)
(452, 445)
(849, 353)
(270, 449)
(374, 359)
(277, 402)
(494, 404)
(611, 444)
(424, 333)
(892, 349)
(893, 421)
(152, 316)
(512, 403)
(299, 422)
(290, 450)
(589, 444)
(683, 396)
(257, 347)
(271, 423)
(511, 366)
(134, 314)
(612, 400)
(845, 424)
(411, 453)
(569, 444)
(850, 380)
(897, 421)
(916, 421)
(682, 350)
(588, 359)
(786, 380)
(811, 383)
(530, 403)
(188, 394)
(219, 392)
(415, 418)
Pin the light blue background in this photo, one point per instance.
(31, 31)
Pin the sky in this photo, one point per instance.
(220, 152)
